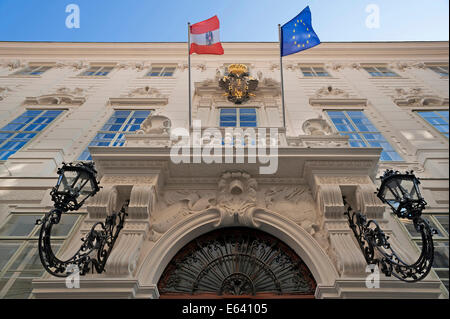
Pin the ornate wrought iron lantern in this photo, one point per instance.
(401, 192)
(76, 183)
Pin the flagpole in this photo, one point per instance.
(189, 77)
(282, 80)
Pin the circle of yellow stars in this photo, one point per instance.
(293, 37)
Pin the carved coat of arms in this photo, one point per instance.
(238, 84)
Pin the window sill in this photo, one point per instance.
(20, 76)
(90, 77)
(387, 77)
(157, 77)
(319, 77)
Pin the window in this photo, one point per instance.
(97, 71)
(380, 71)
(362, 132)
(441, 70)
(237, 117)
(438, 119)
(24, 128)
(161, 71)
(440, 223)
(111, 133)
(314, 71)
(19, 256)
(33, 70)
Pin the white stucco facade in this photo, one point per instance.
(172, 204)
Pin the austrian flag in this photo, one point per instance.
(205, 37)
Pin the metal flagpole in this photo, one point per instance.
(189, 66)
(282, 80)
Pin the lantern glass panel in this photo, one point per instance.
(408, 189)
(67, 181)
(81, 182)
(87, 190)
(391, 195)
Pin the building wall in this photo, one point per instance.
(389, 102)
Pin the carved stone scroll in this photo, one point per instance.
(104, 203)
(142, 201)
(329, 198)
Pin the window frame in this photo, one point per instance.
(34, 68)
(30, 241)
(360, 133)
(377, 70)
(428, 124)
(238, 118)
(314, 72)
(117, 133)
(99, 70)
(162, 72)
(440, 66)
(37, 133)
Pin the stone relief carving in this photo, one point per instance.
(6, 90)
(330, 91)
(61, 96)
(416, 97)
(155, 124)
(145, 91)
(317, 126)
(14, 64)
(236, 198)
(176, 205)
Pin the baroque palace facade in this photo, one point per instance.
(213, 229)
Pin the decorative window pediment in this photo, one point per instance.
(141, 96)
(62, 96)
(417, 97)
(332, 96)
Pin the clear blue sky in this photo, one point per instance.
(244, 20)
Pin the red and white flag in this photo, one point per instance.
(205, 37)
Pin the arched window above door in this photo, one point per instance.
(234, 262)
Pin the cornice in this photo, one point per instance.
(427, 51)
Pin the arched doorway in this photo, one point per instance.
(236, 262)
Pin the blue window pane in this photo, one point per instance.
(53, 113)
(122, 113)
(4, 155)
(224, 111)
(143, 114)
(32, 113)
(228, 124)
(22, 120)
(248, 124)
(248, 118)
(36, 127)
(117, 120)
(12, 127)
(13, 145)
(443, 114)
(44, 120)
(5, 135)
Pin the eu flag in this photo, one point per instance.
(298, 35)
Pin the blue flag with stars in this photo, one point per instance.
(298, 35)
